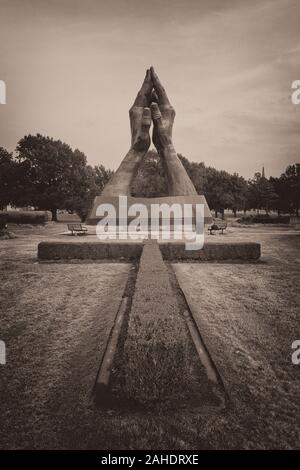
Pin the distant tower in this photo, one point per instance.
(263, 172)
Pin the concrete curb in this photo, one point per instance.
(103, 392)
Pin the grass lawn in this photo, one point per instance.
(248, 316)
(55, 319)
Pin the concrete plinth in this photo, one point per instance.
(93, 218)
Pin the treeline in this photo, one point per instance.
(48, 175)
(224, 190)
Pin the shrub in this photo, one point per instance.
(26, 217)
(88, 250)
(265, 219)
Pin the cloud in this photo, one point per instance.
(73, 69)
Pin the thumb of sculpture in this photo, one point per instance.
(155, 111)
(156, 116)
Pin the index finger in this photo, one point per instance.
(161, 92)
(143, 96)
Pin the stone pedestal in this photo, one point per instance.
(93, 219)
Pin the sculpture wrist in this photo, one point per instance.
(120, 182)
(135, 151)
(179, 183)
(168, 149)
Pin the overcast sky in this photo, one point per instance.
(72, 69)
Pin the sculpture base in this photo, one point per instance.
(93, 219)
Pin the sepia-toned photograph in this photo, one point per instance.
(149, 229)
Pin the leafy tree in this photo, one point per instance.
(92, 184)
(81, 201)
(240, 193)
(102, 175)
(7, 177)
(150, 180)
(53, 175)
(217, 190)
(262, 193)
(283, 192)
(291, 182)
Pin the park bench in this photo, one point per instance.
(217, 227)
(77, 229)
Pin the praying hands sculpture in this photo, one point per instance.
(151, 104)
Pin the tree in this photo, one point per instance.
(92, 184)
(81, 200)
(217, 190)
(281, 188)
(240, 193)
(150, 180)
(8, 170)
(102, 176)
(53, 175)
(290, 182)
(262, 193)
